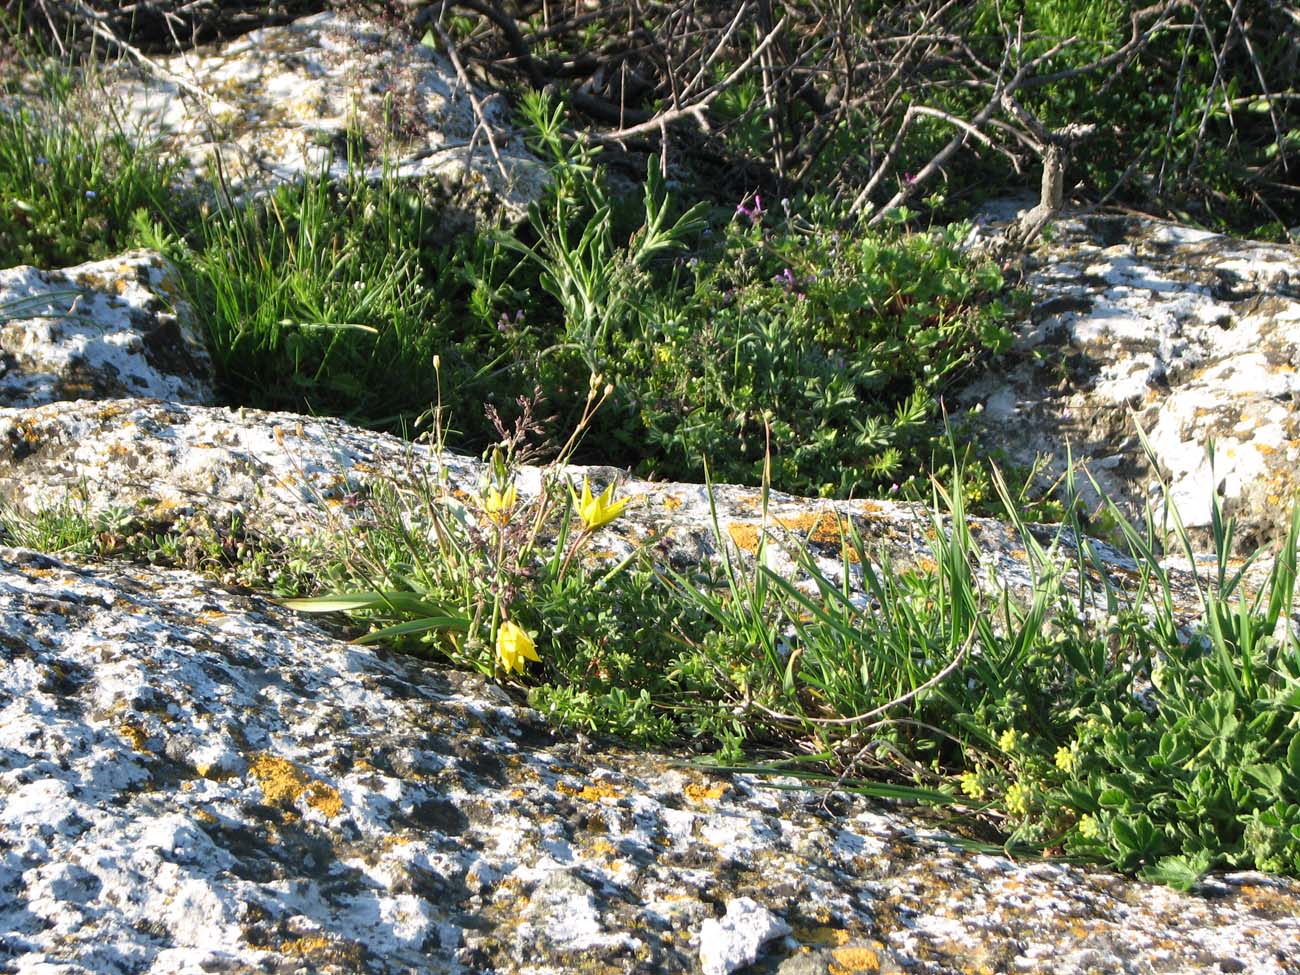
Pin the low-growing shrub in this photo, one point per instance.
(763, 332)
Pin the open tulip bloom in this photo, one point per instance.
(598, 511)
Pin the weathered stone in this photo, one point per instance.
(280, 103)
(286, 476)
(197, 780)
(104, 330)
(1193, 335)
(735, 940)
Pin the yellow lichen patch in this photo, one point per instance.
(702, 792)
(824, 528)
(672, 502)
(305, 946)
(603, 848)
(821, 527)
(858, 958)
(927, 565)
(204, 816)
(27, 432)
(314, 945)
(136, 735)
(821, 935)
(592, 793)
(745, 536)
(112, 409)
(324, 798)
(283, 783)
(210, 770)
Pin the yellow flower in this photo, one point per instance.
(514, 646)
(972, 785)
(595, 512)
(1008, 740)
(1066, 757)
(498, 505)
(1017, 800)
(1089, 828)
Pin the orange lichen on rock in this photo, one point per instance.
(824, 528)
(593, 792)
(821, 936)
(745, 536)
(672, 502)
(283, 783)
(135, 734)
(702, 792)
(852, 960)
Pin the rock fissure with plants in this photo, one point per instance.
(934, 527)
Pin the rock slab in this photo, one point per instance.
(194, 779)
(328, 92)
(1192, 337)
(102, 330)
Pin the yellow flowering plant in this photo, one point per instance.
(498, 504)
(514, 646)
(463, 572)
(596, 512)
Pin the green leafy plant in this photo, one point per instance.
(595, 281)
(829, 348)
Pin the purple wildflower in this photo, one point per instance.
(754, 213)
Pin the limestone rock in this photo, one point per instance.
(281, 102)
(1193, 335)
(286, 476)
(735, 940)
(103, 330)
(193, 779)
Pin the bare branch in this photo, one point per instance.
(695, 109)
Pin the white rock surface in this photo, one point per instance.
(102, 330)
(376, 814)
(1192, 336)
(281, 102)
(735, 940)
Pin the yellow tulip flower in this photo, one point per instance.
(514, 646)
(595, 512)
(498, 505)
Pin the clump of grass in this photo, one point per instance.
(315, 290)
(76, 183)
